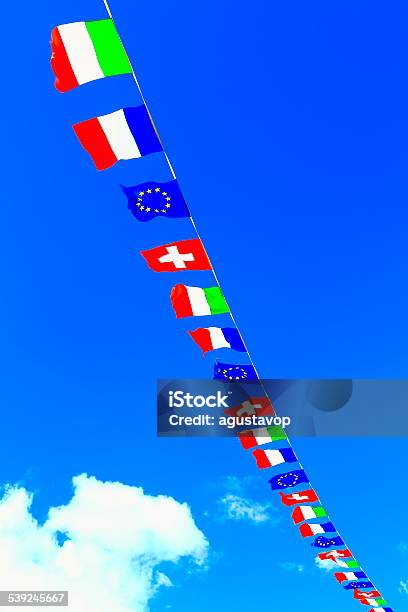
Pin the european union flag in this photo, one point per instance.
(290, 479)
(358, 585)
(233, 372)
(149, 200)
(323, 542)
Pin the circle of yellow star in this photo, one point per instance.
(147, 193)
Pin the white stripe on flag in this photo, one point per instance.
(261, 436)
(307, 512)
(274, 456)
(198, 301)
(80, 51)
(217, 338)
(119, 135)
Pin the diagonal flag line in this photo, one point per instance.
(282, 476)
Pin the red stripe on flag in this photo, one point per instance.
(65, 78)
(297, 516)
(181, 302)
(93, 139)
(201, 336)
(340, 577)
(306, 530)
(247, 439)
(261, 459)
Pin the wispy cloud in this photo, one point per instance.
(242, 499)
(238, 508)
(403, 586)
(327, 565)
(113, 538)
(290, 566)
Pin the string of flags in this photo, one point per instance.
(86, 51)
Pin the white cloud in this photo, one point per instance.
(238, 508)
(403, 586)
(115, 536)
(289, 566)
(403, 547)
(327, 565)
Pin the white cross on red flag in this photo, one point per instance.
(178, 256)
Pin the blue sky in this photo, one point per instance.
(287, 127)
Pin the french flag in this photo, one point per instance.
(127, 133)
(212, 338)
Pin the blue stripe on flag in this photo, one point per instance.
(142, 129)
(288, 455)
(233, 337)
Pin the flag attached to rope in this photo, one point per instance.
(127, 133)
(86, 51)
(305, 513)
(196, 302)
(310, 529)
(323, 542)
(149, 200)
(376, 602)
(344, 558)
(290, 479)
(232, 372)
(271, 457)
(363, 594)
(358, 585)
(177, 256)
(346, 576)
(297, 498)
(253, 406)
(212, 338)
(261, 435)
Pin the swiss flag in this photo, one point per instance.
(178, 256)
(366, 594)
(298, 498)
(333, 555)
(253, 406)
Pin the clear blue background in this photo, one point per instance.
(287, 126)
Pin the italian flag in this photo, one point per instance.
(127, 133)
(304, 513)
(271, 457)
(307, 530)
(262, 435)
(86, 51)
(197, 302)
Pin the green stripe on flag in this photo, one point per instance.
(216, 300)
(108, 47)
(319, 511)
(352, 564)
(277, 433)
